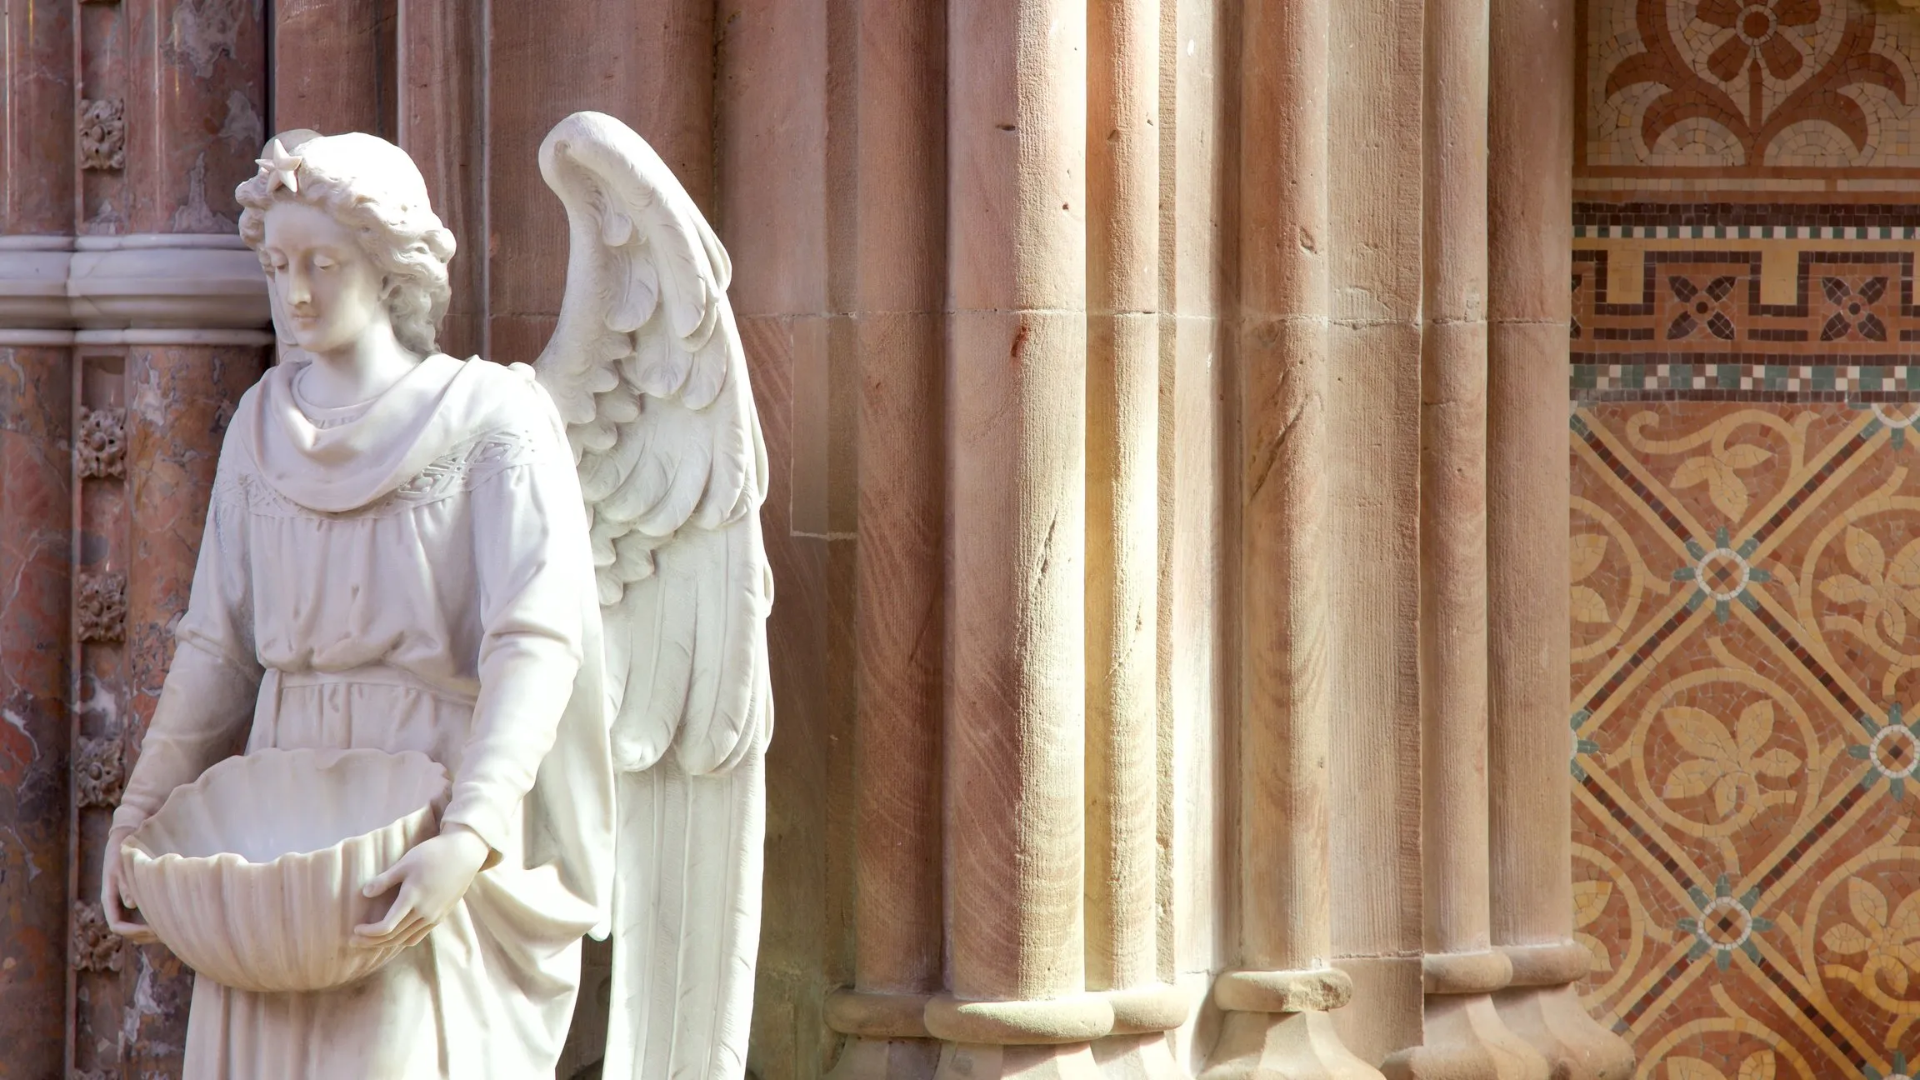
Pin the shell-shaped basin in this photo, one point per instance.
(252, 873)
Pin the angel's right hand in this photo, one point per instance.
(116, 893)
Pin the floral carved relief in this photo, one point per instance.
(102, 611)
(103, 134)
(1753, 69)
(99, 773)
(94, 947)
(101, 450)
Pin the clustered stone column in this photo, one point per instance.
(899, 616)
(1464, 1036)
(1277, 1003)
(1040, 299)
(1530, 239)
(1123, 540)
(1017, 369)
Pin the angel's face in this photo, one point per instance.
(330, 293)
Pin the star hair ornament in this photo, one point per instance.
(280, 168)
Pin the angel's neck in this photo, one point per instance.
(358, 372)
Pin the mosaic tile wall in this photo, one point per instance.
(1746, 534)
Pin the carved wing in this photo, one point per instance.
(648, 373)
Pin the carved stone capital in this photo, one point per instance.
(103, 133)
(102, 611)
(101, 449)
(94, 947)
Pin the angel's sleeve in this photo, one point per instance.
(533, 566)
(207, 700)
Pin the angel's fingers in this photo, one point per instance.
(399, 935)
(383, 881)
(402, 907)
(420, 934)
(138, 933)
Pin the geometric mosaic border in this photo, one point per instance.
(1841, 382)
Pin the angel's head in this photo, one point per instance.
(344, 230)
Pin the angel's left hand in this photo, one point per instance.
(432, 878)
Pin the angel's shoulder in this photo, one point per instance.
(511, 391)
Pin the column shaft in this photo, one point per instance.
(442, 77)
(165, 369)
(1464, 1037)
(650, 64)
(36, 223)
(186, 147)
(1123, 548)
(35, 512)
(1017, 341)
(899, 278)
(1277, 1023)
(334, 66)
(1530, 133)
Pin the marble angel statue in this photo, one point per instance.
(550, 580)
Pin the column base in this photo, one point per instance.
(979, 1061)
(1466, 1039)
(1137, 1057)
(886, 1059)
(1283, 1046)
(1553, 1021)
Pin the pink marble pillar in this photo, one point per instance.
(36, 223)
(36, 141)
(173, 304)
(187, 144)
(35, 506)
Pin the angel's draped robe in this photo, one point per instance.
(412, 573)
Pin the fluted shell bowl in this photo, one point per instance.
(252, 874)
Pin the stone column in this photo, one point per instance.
(333, 66)
(170, 307)
(36, 226)
(1123, 549)
(1277, 1002)
(442, 76)
(648, 63)
(1016, 699)
(899, 282)
(1464, 1036)
(1530, 134)
(35, 512)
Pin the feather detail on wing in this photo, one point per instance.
(648, 373)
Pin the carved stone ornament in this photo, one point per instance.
(102, 447)
(99, 772)
(103, 134)
(103, 607)
(95, 948)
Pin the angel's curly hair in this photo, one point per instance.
(383, 202)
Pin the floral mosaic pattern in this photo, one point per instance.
(1745, 588)
(1725, 89)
